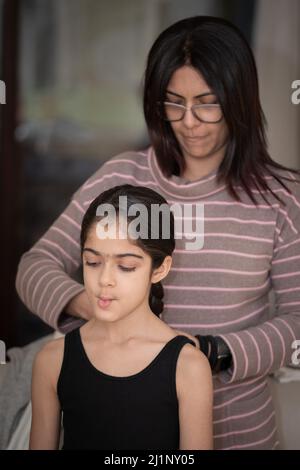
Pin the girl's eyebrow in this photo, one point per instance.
(117, 255)
(198, 96)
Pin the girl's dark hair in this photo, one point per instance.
(156, 248)
(219, 51)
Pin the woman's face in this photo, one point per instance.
(198, 140)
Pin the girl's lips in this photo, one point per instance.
(104, 303)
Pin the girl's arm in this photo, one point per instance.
(195, 399)
(46, 414)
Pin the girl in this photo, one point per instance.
(125, 380)
(208, 145)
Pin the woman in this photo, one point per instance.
(124, 380)
(206, 126)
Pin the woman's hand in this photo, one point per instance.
(80, 306)
(193, 338)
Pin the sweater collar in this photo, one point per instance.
(179, 187)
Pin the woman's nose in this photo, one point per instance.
(189, 120)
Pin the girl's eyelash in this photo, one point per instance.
(126, 269)
(123, 268)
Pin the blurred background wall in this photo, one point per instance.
(73, 71)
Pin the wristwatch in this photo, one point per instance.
(224, 356)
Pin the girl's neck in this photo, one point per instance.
(133, 326)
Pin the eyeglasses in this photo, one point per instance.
(210, 113)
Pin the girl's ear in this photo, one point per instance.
(162, 271)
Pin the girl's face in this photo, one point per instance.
(198, 140)
(117, 276)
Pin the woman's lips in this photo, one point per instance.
(195, 139)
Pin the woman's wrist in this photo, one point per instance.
(216, 351)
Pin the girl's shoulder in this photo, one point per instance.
(191, 357)
(52, 349)
(48, 360)
(193, 368)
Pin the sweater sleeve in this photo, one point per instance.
(44, 279)
(264, 348)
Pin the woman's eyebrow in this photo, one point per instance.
(198, 96)
(117, 255)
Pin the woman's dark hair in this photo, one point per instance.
(157, 248)
(219, 51)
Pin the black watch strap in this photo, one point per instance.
(224, 360)
(216, 350)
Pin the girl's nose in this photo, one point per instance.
(106, 276)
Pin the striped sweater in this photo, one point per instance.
(221, 289)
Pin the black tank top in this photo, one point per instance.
(119, 413)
